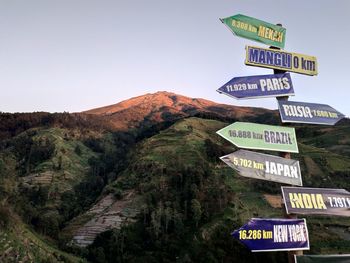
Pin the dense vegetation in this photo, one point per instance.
(55, 167)
(192, 203)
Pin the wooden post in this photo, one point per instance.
(286, 155)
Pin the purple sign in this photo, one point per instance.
(259, 86)
(268, 234)
(302, 112)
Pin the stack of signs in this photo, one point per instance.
(277, 234)
(270, 234)
(264, 234)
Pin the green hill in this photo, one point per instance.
(72, 189)
(19, 243)
(37, 167)
(48, 175)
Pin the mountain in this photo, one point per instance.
(164, 106)
(141, 181)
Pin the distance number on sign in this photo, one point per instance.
(255, 234)
(240, 134)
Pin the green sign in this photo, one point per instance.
(259, 136)
(255, 29)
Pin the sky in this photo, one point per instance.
(75, 55)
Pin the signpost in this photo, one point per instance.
(259, 86)
(264, 167)
(278, 234)
(282, 60)
(255, 29)
(320, 201)
(259, 136)
(302, 112)
(268, 234)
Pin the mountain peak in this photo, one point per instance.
(156, 100)
(163, 106)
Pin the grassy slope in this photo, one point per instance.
(184, 140)
(18, 242)
(74, 167)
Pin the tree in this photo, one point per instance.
(213, 150)
(100, 255)
(4, 216)
(77, 150)
(196, 211)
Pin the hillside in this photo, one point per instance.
(141, 181)
(37, 169)
(19, 243)
(179, 165)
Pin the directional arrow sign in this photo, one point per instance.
(321, 201)
(254, 29)
(259, 136)
(259, 86)
(302, 112)
(264, 167)
(283, 60)
(269, 234)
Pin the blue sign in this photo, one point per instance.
(259, 86)
(269, 234)
(302, 112)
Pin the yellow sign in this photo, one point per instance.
(278, 59)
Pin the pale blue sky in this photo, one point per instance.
(74, 55)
